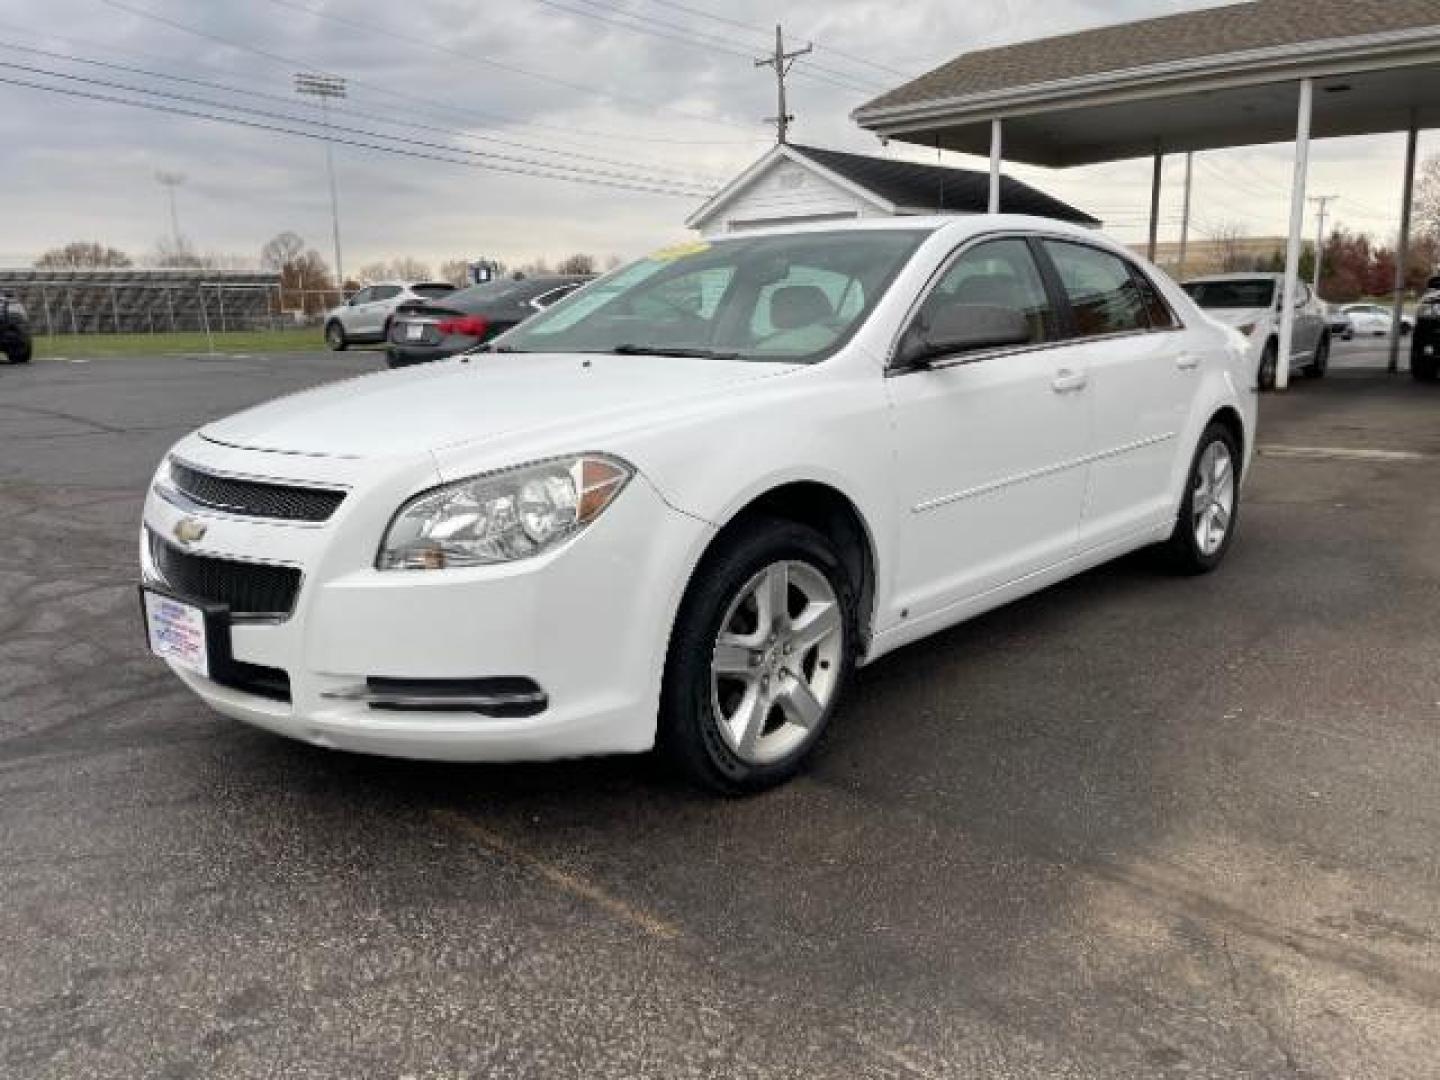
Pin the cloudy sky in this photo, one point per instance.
(614, 92)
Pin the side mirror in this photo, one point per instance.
(962, 328)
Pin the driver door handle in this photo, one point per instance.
(1067, 381)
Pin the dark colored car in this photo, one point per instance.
(15, 340)
(1425, 342)
(433, 330)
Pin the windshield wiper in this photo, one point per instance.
(665, 350)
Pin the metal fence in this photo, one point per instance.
(162, 301)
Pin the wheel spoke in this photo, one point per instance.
(799, 704)
(747, 723)
(1221, 518)
(773, 597)
(734, 657)
(1219, 470)
(816, 623)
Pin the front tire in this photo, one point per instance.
(1210, 507)
(759, 659)
(22, 354)
(1269, 361)
(335, 336)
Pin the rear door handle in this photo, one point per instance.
(1067, 381)
(1187, 361)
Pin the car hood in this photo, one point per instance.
(1238, 316)
(487, 396)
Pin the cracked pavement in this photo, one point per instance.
(1133, 826)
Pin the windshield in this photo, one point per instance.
(1259, 293)
(793, 298)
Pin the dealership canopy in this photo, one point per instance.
(1234, 75)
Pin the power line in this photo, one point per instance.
(341, 111)
(369, 134)
(844, 79)
(762, 30)
(289, 64)
(425, 43)
(173, 110)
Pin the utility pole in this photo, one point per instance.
(1324, 201)
(326, 87)
(1185, 217)
(781, 61)
(170, 181)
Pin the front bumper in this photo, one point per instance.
(588, 622)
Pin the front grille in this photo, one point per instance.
(245, 588)
(255, 498)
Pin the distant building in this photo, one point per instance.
(793, 184)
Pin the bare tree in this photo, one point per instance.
(454, 271)
(579, 263)
(82, 255)
(176, 252)
(282, 248)
(408, 269)
(1227, 237)
(1427, 200)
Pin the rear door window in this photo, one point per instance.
(1102, 293)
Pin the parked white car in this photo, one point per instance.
(1376, 321)
(682, 504)
(365, 317)
(1251, 304)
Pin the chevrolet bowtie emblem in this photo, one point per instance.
(189, 531)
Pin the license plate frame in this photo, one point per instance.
(169, 612)
(414, 331)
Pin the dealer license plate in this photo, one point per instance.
(177, 632)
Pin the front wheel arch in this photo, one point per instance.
(828, 511)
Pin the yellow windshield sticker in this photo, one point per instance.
(680, 251)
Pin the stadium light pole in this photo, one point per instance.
(326, 87)
(170, 181)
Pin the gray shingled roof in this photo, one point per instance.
(915, 186)
(1259, 24)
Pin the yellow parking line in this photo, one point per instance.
(563, 880)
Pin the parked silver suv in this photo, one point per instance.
(365, 317)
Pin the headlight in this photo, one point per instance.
(502, 516)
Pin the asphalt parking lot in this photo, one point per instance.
(1131, 827)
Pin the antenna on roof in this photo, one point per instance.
(782, 62)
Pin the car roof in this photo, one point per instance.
(957, 225)
(1258, 275)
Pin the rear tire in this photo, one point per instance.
(760, 657)
(1269, 361)
(335, 336)
(22, 354)
(1321, 361)
(1210, 508)
(1424, 368)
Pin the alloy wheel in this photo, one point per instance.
(776, 663)
(1212, 500)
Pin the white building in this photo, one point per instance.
(793, 184)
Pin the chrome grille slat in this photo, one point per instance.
(255, 498)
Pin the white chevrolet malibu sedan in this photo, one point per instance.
(679, 507)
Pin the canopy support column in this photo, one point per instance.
(1297, 223)
(995, 153)
(1402, 247)
(1155, 203)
